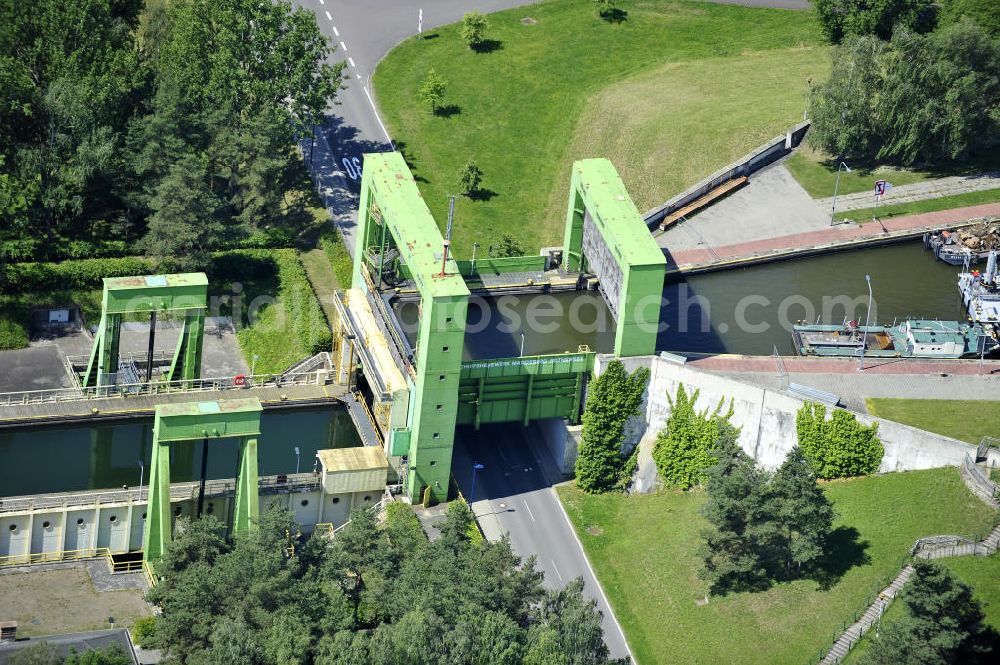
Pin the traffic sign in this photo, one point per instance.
(880, 187)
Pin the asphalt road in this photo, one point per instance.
(513, 494)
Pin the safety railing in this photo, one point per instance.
(327, 530)
(371, 417)
(178, 492)
(319, 377)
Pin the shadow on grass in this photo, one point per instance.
(614, 15)
(481, 194)
(430, 35)
(844, 550)
(403, 149)
(488, 46)
(447, 110)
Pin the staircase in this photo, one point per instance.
(850, 637)
(936, 547)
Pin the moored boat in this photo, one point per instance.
(913, 338)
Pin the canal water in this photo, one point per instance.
(107, 456)
(743, 311)
(751, 310)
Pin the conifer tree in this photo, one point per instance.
(803, 514)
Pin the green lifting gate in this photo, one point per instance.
(185, 293)
(523, 389)
(606, 235)
(201, 421)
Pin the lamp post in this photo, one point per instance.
(253, 364)
(476, 466)
(297, 458)
(836, 187)
(522, 343)
(864, 331)
(142, 473)
(474, 246)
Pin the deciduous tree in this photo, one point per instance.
(432, 90)
(473, 29)
(839, 447)
(612, 399)
(683, 448)
(855, 18)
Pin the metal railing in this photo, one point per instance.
(37, 558)
(178, 492)
(319, 377)
(371, 417)
(983, 449)
(327, 530)
(978, 481)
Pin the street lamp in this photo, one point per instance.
(297, 459)
(253, 365)
(142, 472)
(474, 246)
(476, 466)
(864, 331)
(836, 187)
(522, 343)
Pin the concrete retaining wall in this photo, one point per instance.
(562, 440)
(767, 421)
(766, 154)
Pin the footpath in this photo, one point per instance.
(821, 241)
(918, 191)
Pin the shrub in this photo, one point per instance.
(82, 274)
(432, 90)
(683, 448)
(473, 29)
(470, 178)
(144, 632)
(840, 447)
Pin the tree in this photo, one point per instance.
(184, 224)
(473, 29)
(855, 18)
(984, 12)
(38, 654)
(803, 514)
(470, 178)
(506, 245)
(943, 623)
(612, 399)
(742, 529)
(432, 90)
(840, 447)
(919, 99)
(683, 448)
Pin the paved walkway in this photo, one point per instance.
(841, 235)
(918, 191)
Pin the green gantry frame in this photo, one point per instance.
(391, 211)
(201, 421)
(606, 235)
(186, 293)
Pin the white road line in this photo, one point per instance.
(336, 32)
(343, 46)
(528, 508)
(374, 108)
(351, 60)
(556, 568)
(328, 17)
(321, 2)
(359, 77)
(611, 610)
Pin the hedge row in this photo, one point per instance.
(82, 274)
(24, 250)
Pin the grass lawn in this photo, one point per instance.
(667, 95)
(644, 550)
(864, 215)
(817, 173)
(965, 420)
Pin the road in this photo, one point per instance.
(514, 495)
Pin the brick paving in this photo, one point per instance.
(840, 235)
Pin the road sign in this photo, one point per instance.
(880, 187)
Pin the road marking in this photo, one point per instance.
(556, 568)
(328, 17)
(562, 509)
(335, 31)
(375, 108)
(351, 60)
(528, 508)
(343, 46)
(321, 2)
(359, 77)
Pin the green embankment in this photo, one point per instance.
(670, 95)
(965, 420)
(644, 551)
